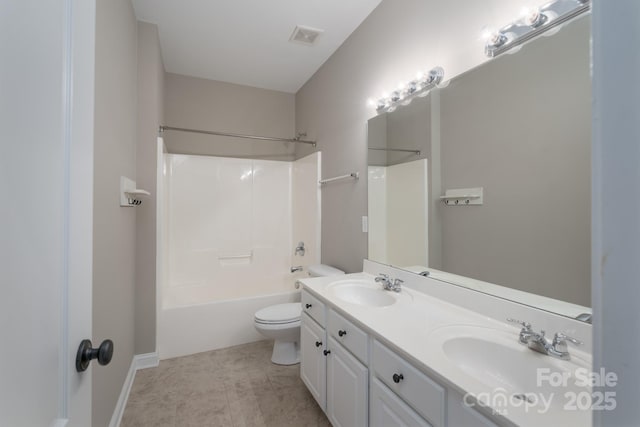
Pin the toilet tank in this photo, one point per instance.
(321, 270)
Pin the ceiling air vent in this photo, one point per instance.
(305, 35)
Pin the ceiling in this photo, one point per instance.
(247, 41)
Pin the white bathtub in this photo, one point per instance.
(187, 329)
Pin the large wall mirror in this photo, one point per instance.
(516, 130)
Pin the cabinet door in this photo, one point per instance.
(388, 410)
(347, 388)
(313, 363)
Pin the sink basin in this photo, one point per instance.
(364, 293)
(492, 365)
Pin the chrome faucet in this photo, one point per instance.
(557, 347)
(387, 284)
(296, 269)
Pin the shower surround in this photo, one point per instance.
(230, 227)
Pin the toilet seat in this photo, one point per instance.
(280, 314)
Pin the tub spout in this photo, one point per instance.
(296, 269)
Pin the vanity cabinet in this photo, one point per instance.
(331, 363)
(358, 381)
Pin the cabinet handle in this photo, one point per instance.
(327, 352)
(397, 378)
(318, 343)
(308, 305)
(342, 333)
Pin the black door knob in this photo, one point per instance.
(86, 354)
(318, 343)
(308, 305)
(342, 333)
(397, 378)
(327, 352)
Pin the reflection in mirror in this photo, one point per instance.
(518, 127)
(398, 183)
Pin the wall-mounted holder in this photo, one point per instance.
(463, 197)
(129, 194)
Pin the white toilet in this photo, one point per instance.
(281, 322)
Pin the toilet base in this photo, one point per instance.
(285, 353)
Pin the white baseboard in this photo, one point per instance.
(139, 361)
(147, 360)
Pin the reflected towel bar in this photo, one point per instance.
(354, 175)
(416, 152)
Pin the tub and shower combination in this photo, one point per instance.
(228, 233)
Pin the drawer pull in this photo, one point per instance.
(342, 333)
(307, 305)
(326, 352)
(318, 343)
(397, 378)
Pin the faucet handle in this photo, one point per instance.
(398, 282)
(382, 278)
(525, 325)
(560, 338)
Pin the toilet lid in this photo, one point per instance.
(280, 313)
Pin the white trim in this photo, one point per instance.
(60, 422)
(139, 361)
(116, 418)
(160, 150)
(147, 360)
(615, 229)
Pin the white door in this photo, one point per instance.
(46, 181)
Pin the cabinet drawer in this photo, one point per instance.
(313, 307)
(387, 409)
(349, 335)
(425, 395)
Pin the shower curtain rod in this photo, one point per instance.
(237, 135)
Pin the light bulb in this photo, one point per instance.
(486, 33)
(534, 18)
(497, 39)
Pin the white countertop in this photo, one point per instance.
(409, 326)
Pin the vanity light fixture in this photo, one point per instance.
(533, 23)
(418, 87)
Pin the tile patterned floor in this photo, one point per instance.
(236, 387)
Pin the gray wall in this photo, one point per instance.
(196, 103)
(397, 39)
(519, 126)
(114, 235)
(150, 117)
